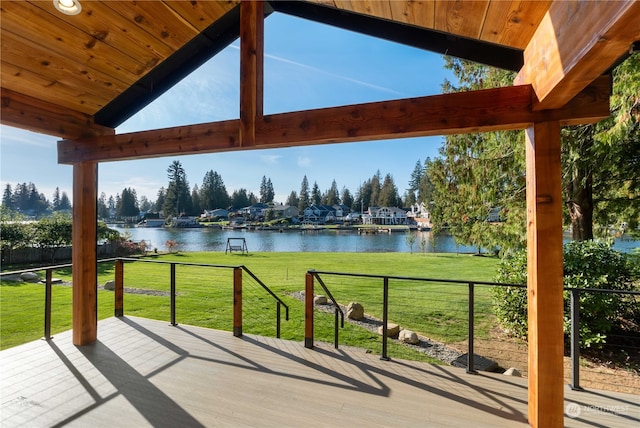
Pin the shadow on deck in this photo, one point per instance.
(143, 372)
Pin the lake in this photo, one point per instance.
(324, 240)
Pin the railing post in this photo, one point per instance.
(385, 317)
(237, 302)
(308, 311)
(118, 289)
(47, 305)
(470, 352)
(575, 339)
(278, 320)
(173, 294)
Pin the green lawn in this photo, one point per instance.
(438, 310)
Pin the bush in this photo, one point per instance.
(587, 264)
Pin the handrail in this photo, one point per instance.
(337, 309)
(268, 290)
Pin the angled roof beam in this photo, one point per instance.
(574, 44)
(180, 64)
(421, 38)
(479, 111)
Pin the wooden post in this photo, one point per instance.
(545, 275)
(308, 311)
(251, 69)
(118, 290)
(237, 302)
(84, 253)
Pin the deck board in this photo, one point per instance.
(147, 373)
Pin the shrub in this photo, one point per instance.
(587, 264)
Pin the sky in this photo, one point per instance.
(306, 65)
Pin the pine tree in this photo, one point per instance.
(316, 197)
(304, 199)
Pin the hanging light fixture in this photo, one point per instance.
(68, 7)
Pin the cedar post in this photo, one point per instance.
(237, 302)
(545, 275)
(84, 254)
(251, 69)
(308, 311)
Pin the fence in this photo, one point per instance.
(455, 321)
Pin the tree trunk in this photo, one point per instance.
(580, 204)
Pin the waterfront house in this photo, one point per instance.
(285, 211)
(319, 214)
(216, 214)
(77, 70)
(386, 216)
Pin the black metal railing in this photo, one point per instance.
(470, 315)
(173, 287)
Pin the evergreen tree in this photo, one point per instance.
(128, 204)
(240, 199)
(347, 198)
(375, 189)
(332, 196)
(213, 193)
(177, 200)
(304, 200)
(7, 198)
(293, 199)
(65, 203)
(267, 193)
(316, 197)
(55, 202)
(159, 201)
(388, 196)
(425, 187)
(195, 199)
(103, 211)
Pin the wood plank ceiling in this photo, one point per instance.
(92, 71)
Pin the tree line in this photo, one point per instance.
(25, 198)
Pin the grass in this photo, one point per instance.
(438, 310)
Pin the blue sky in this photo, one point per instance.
(307, 65)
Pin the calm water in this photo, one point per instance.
(210, 239)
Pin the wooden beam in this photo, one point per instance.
(251, 69)
(29, 113)
(479, 111)
(84, 253)
(574, 44)
(545, 275)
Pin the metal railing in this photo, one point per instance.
(314, 275)
(119, 290)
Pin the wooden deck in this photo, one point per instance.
(147, 373)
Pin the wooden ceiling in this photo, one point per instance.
(83, 75)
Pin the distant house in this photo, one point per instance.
(187, 221)
(319, 214)
(494, 215)
(218, 213)
(255, 211)
(419, 214)
(285, 211)
(341, 211)
(385, 216)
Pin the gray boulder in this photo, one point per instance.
(110, 285)
(30, 277)
(392, 330)
(320, 300)
(512, 372)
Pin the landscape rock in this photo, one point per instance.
(110, 285)
(355, 311)
(320, 300)
(480, 363)
(392, 330)
(408, 336)
(29, 277)
(513, 372)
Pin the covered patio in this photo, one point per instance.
(87, 72)
(143, 372)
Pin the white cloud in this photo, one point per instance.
(304, 161)
(270, 159)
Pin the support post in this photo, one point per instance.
(118, 290)
(84, 253)
(251, 69)
(237, 302)
(385, 318)
(308, 311)
(47, 304)
(545, 275)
